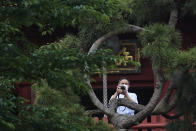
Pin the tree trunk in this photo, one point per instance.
(173, 18)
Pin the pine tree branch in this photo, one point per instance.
(93, 112)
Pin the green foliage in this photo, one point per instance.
(57, 63)
(47, 96)
(69, 115)
(160, 43)
(59, 111)
(71, 41)
(190, 7)
(150, 11)
(186, 59)
(89, 35)
(143, 10)
(61, 64)
(48, 14)
(187, 100)
(8, 105)
(102, 20)
(5, 104)
(35, 118)
(126, 5)
(183, 125)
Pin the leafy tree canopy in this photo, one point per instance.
(61, 64)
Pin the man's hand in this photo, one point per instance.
(124, 92)
(119, 90)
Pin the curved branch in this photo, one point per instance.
(170, 105)
(173, 103)
(96, 101)
(126, 29)
(113, 105)
(175, 83)
(131, 105)
(181, 85)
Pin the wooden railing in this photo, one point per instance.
(154, 123)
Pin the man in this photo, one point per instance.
(122, 92)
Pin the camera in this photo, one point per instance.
(122, 87)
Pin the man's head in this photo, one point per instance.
(124, 82)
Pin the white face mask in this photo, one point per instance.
(126, 86)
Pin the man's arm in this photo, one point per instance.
(128, 97)
(114, 96)
(118, 91)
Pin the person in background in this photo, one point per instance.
(122, 92)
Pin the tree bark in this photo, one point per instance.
(176, 81)
(131, 105)
(173, 18)
(96, 101)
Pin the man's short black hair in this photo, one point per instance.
(123, 78)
